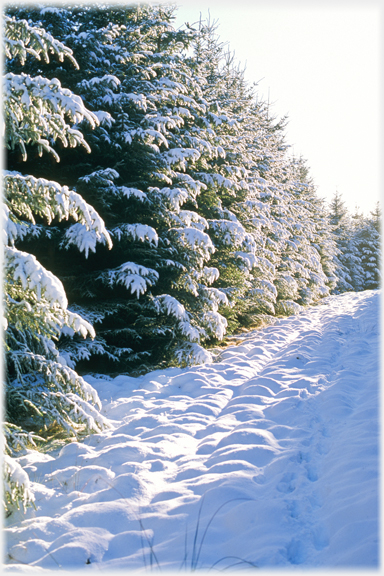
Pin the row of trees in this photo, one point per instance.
(188, 220)
(358, 241)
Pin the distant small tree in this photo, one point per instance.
(358, 242)
(345, 258)
(369, 246)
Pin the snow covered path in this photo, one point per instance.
(275, 446)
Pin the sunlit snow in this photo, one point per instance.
(267, 456)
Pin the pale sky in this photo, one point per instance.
(319, 62)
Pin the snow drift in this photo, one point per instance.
(267, 457)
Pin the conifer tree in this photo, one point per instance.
(345, 259)
(291, 259)
(369, 246)
(318, 245)
(44, 395)
(226, 176)
(359, 247)
(358, 223)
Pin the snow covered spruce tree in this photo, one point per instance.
(359, 247)
(223, 174)
(267, 196)
(244, 130)
(297, 236)
(315, 246)
(368, 240)
(293, 261)
(44, 396)
(347, 259)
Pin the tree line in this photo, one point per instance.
(179, 219)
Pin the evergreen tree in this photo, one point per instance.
(369, 247)
(226, 176)
(290, 248)
(44, 396)
(345, 259)
(358, 223)
(359, 247)
(318, 244)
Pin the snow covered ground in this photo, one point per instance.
(267, 457)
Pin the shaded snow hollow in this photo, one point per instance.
(275, 446)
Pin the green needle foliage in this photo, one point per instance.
(44, 396)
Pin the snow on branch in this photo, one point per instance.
(172, 307)
(106, 178)
(21, 39)
(287, 307)
(36, 297)
(35, 110)
(85, 238)
(190, 332)
(104, 118)
(163, 123)
(16, 488)
(107, 80)
(181, 156)
(229, 233)
(265, 266)
(194, 185)
(215, 323)
(175, 197)
(190, 219)
(131, 192)
(24, 268)
(196, 240)
(217, 297)
(68, 400)
(149, 135)
(27, 196)
(133, 276)
(79, 325)
(219, 181)
(140, 232)
(101, 177)
(209, 275)
(248, 258)
(191, 354)
(138, 100)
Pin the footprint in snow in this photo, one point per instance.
(320, 537)
(305, 458)
(296, 551)
(287, 484)
(312, 474)
(322, 447)
(297, 508)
